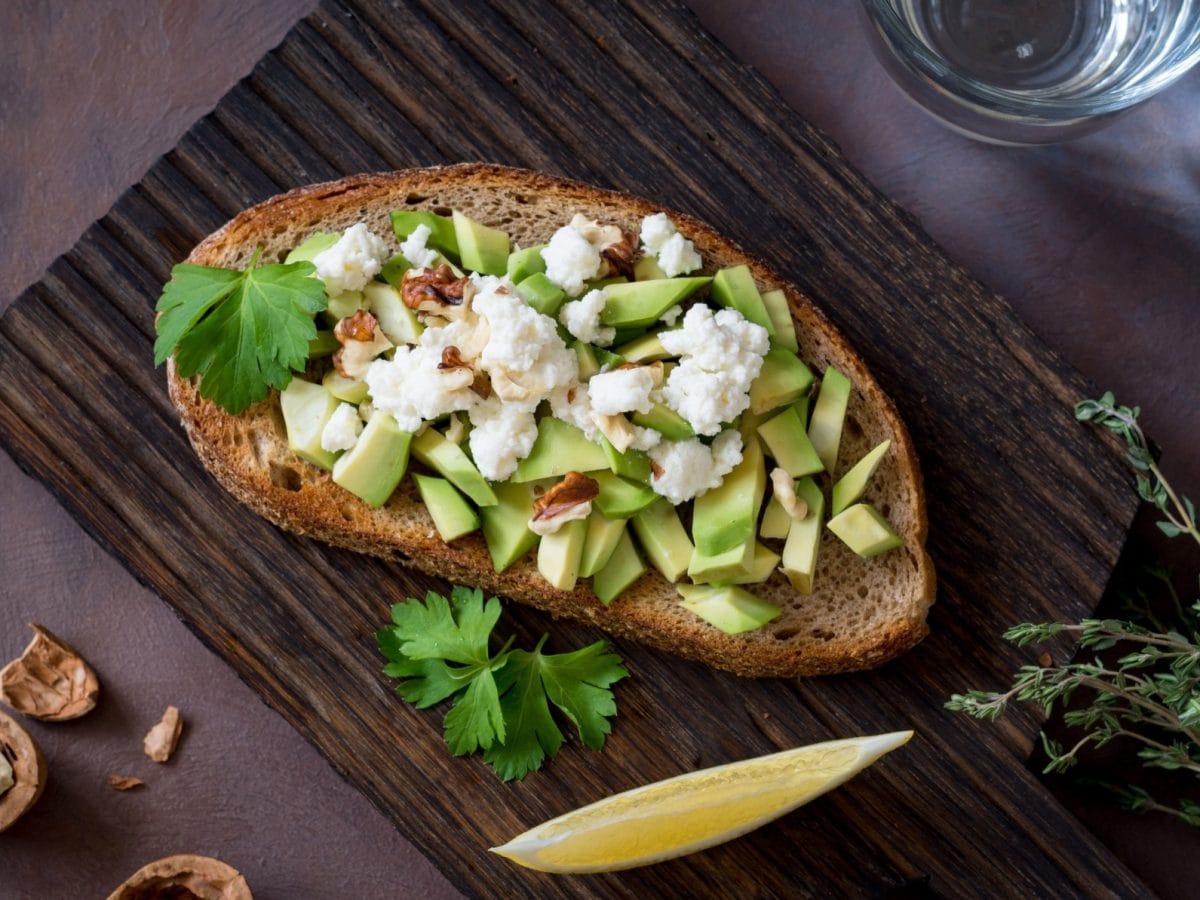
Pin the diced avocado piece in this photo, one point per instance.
(306, 411)
(452, 515)
(542, 294)
(735, 288)
(625, 335)
(323, 344)
(398, 323)
(349, 389)
(648, 269)
(727, 515)
(560, 553)
(828, 416)
(802, 407)
(525, 262)
(442, 235)
(864, 530)
(730, 609)
(311, 246)
(603, 534)
(560, 448)
(586, 354)
(634, 303)
(725, 566)
(775, 521)
(393, 270)
(607, 358)
(854, 483)
(780, 312)
(347, 303)
(799, 561)
(373, 467)
(665, 421)
(646, 348)
(788, 444)
(448, 459)
(633, 464)
(506, 525)
(600, 284)
(663, 539)
(624, 567)
(784, 379)
(762, 564)
(480, 248)
(620, 499)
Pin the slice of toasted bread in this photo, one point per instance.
(863, 612)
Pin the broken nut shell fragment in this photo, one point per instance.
(28, 771)
(50, 681)
(185, 877)
(160, 742)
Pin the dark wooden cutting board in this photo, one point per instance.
(639, 98)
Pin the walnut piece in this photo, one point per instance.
(184, 877)
(362, 340)
(436, 291)
(160, 742)
(28, 771)
(785, 493)
(620, 256)
(124, 782)
(50, 681)
(569, 500)
(617, 429)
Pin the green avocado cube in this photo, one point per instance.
(311, 246)
(624, 567)
(542, 294)
(347, 303)
(735, 288)
(788, 443)
(307, 408)
(480, 248)
(775, 521)
(784, 379)
(621, 499)
(586, 355)
(854, 483)
(648, 269)
(761, 566)
(603, 535)
(349, 389)
(560, 554)
(452, 515)
(393, 270)
(506, 525)
(726, 566)
(828, 416)
(398, 323)
(646, 348)
(665, 421)
(640, 303)
(525, 262)
(445, 457)
(780, 312)
(442, 235)
(726, 516)
(632, 464)
(864, 530)
(559, 448)
(323, 344)
(799, 562)
(663, 539)
(373, 467)
(730, 609)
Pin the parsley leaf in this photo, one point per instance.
(502, 702)
(243, 332)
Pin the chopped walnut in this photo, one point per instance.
(436, 291)
(50, 681)
(124, 782)
(193, 877)
(569, 500)
(362, 340)
(620, 256)
(26, 766)
(160, 742)
(656, 470)
(785, 492)
(456, 431)
(452, 359)
(617, 429)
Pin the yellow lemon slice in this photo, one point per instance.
(693, 811)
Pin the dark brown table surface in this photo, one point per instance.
(1096, 243)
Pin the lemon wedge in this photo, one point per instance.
(693, 811)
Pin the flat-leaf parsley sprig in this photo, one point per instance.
(242, 332)
(439, 649)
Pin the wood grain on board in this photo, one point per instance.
(634, 96)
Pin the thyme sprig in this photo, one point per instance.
(1149, 695)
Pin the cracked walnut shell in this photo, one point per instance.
(160, 742)
(184, 876)
(50, 681)
(28, 771)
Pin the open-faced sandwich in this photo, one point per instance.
(565, 396)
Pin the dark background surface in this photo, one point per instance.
(1096, 243)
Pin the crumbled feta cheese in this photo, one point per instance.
(524, 351)
(676, 254)
(412, 388)
(645, 438)
(414, 250)
(456, 431)
(655, 231)
(720, 356)
(342, 430)
(502, 434)
(354, 260)
(571, 260)
(671, 316)
(621, 390)
(688, 468)
(572, 404)
(582, 318)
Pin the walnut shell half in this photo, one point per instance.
(50, 681)
(28, 769)
(184, 877)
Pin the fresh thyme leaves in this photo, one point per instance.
(502, 702)
(242, 332)
(1148, 695)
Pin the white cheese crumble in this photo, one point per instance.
(582, 318)
(571, 259)
(621, 390)
(572, 404)
(671, 316)
(354, 260)
(689, 468)
(720, 356)
(342, 430)
(676, 254)
(502, 434)
(412, 388)
(524, 354)
(414, 250)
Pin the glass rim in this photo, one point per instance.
(928, 64)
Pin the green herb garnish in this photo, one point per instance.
(242, 332)
(502, 702)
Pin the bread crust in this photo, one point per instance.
(248, 454)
